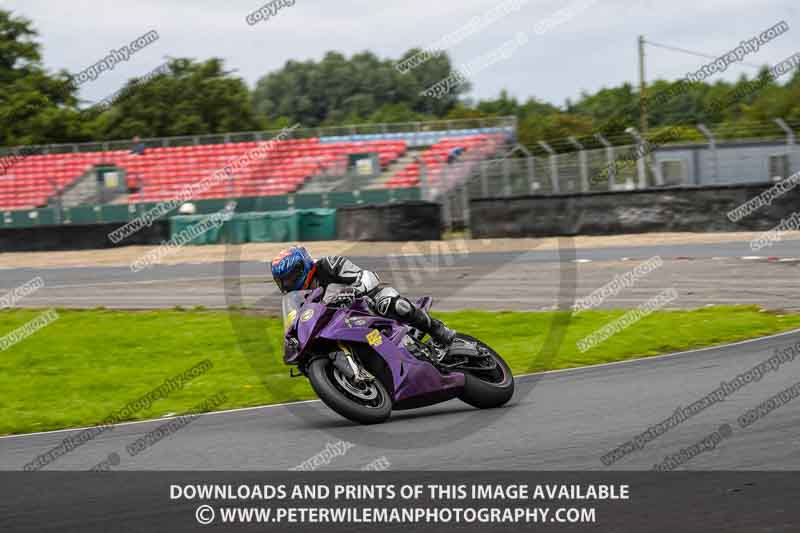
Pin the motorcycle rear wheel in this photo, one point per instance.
(363, 403)
(489, 389)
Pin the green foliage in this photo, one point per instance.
(339, 90)
(192, 99)
(35, 106)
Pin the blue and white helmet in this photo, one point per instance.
(292, 269)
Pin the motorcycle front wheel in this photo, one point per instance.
(489, 387)
(364, 402)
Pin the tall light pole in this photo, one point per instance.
(642, 90)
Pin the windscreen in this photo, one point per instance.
(290, 304)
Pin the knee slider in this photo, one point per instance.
(384, 305)
(384, 301)
(403, 307)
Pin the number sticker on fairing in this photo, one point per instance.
(374, 338)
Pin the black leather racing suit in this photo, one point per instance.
(388, 302)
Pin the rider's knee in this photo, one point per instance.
(387, 300)
(403, 308)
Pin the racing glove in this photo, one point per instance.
(344, 298)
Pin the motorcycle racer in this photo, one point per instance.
(294, 269)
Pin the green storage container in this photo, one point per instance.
(277, 226)
(259, 227)
(317, 224)
(214, 235)
(281, 226)
(181, 223)
(284, 226)
(234, 231)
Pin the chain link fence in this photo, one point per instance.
(623, 167)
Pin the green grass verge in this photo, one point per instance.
(89, 364)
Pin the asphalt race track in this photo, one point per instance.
(558, 421)
(722, 273)
(565, 420)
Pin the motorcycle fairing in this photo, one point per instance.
(308, 318)
(413, 379)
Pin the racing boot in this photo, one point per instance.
(441, 334)
(442, 337)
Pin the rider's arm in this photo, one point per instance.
(338, 269)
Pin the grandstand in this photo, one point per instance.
(34, 180)
(435, 159)
(67, 175)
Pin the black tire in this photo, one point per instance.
(490, 390)
(320, 374)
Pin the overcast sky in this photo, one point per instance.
(593, 49)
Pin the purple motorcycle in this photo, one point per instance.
(363, 365)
